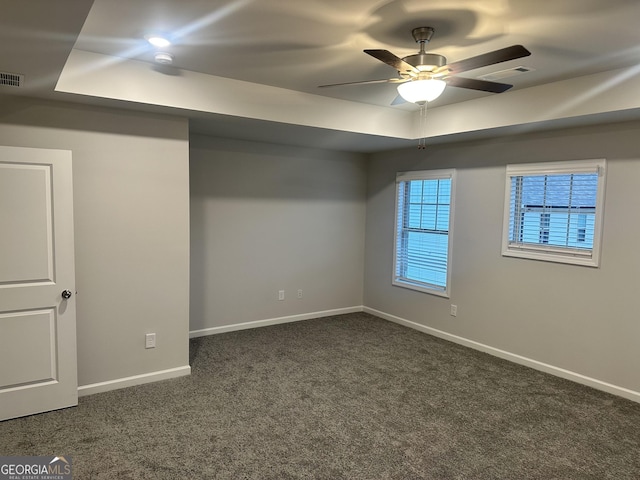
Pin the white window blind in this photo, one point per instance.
(553, 211)
(424, 203)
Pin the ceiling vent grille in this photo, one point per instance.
(11, 79)
(510, 72)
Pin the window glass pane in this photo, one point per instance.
(426, 255)
(429, 217)
(414, 216)
(444, 194)
(532, 190)
(430, 191)
(557, 191)
(415, 191)
(442, 221)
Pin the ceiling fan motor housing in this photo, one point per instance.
(426, 62)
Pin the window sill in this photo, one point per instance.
(585, 261)
(421, 288)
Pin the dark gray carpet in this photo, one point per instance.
(345, 397)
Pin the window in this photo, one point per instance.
(424, 211)
(553, 211)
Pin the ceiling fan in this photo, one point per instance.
(423, 76)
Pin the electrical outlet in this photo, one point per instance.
(281, 295)
(150, 340)
(454, 310)
(300, 293)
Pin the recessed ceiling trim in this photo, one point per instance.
(88, 73)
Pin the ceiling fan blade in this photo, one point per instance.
(386, 80)
(490, 58)
(398, 100)
(390, 59)
(475, 84)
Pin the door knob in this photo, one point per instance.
(66, 294)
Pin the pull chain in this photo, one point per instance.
(422, 141)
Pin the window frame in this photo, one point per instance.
(590, 258)
(424, 175)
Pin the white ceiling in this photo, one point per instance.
(232, 60)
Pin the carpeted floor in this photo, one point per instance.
(345, 397)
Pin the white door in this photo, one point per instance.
(38, 370)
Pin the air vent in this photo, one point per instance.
(11, 79)
(510, 72)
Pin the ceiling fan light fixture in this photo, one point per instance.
(421, 91)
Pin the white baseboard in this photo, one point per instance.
(131, 381)
(512, 357)
(273, 321)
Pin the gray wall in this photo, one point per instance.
(581, 319)
(131, 207)
(268, 217)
